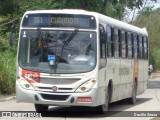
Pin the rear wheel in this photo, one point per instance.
(103, 108)
(132, 100)
(41, 108)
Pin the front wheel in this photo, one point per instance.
(41, 108)
(103, 108)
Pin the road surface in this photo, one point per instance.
(148, 101)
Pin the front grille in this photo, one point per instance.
(64, 88)
(50, 88)
(59, 81)
(54, 97)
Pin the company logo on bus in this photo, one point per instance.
(54, 88)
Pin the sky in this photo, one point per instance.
(149, 3)
(156, 5)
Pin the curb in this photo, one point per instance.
(8, 99)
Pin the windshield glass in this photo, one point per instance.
(57, 51)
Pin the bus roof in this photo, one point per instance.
(122, 25)
(105, 19)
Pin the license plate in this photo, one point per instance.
(84, 99)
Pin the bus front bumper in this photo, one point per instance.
(58, 99)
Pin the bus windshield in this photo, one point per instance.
(57, 51)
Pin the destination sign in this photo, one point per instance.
(59, 20)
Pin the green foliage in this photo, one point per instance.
(155, 58)
(7, 72)
(7, 65)
(146, 11)
(8, 7)
(150, 20)
(4, 44)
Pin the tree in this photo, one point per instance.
(149, 19)
(8, 7)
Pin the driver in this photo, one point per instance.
(41, 51)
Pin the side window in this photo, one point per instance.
(132, 37)
(123, 43)
(129, 39)
(120, 43)
(102, 41)
(112, 42)
(126, 44)
(116, 43)
(145, 48)
(109, 42)
(135, 47)
(140, 47)
(138, 50)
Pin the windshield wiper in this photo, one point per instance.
(70, 38)
(66, 42)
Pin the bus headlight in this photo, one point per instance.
(25, 84)
(87, 86)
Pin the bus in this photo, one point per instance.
(79, 58)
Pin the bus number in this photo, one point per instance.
(37, 20)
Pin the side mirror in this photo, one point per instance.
(11, 39)
(102, 63)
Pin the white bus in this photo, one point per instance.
(79, 58)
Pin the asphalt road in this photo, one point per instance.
(148, 101)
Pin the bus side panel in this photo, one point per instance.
(126, 73)
(112, 73)
(140, 77)
(101, 86)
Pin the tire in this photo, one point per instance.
(132, 100)
(41, 108)
(103, 108)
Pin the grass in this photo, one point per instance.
(7, 72)
(155, 58)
